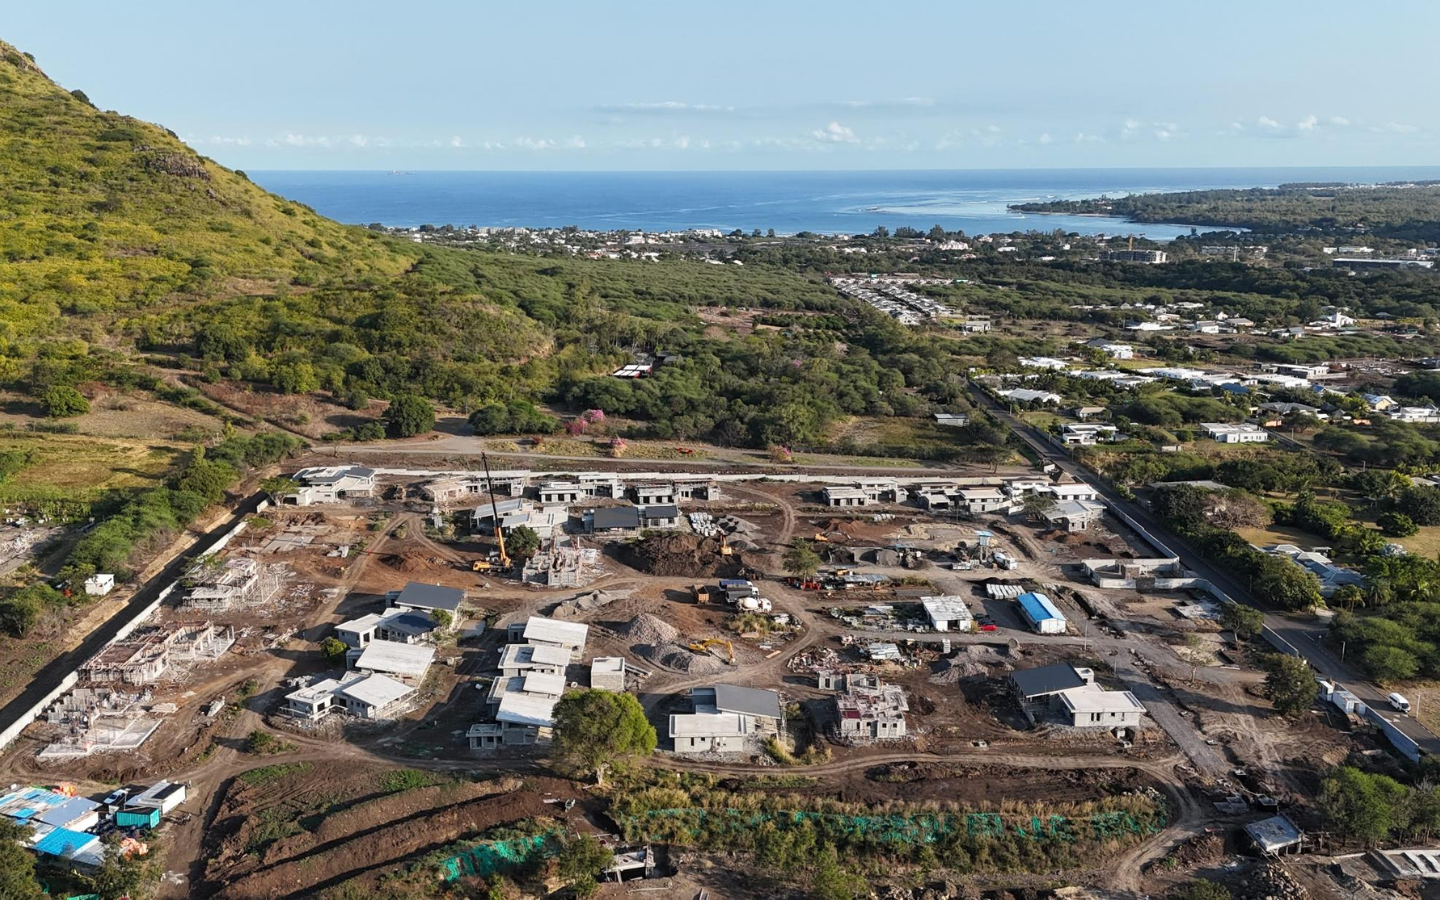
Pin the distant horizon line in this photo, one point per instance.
(407, 170)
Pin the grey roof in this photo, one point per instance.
(1045, 680)
(750, 701)
(608, 517)
(430, 596)
(662, 511)
(1274, 833)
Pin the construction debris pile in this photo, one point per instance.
(684, 554)
(970, 661)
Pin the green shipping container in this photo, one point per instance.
(138, 818)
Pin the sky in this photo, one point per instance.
(561, 85)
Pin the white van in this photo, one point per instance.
(1400, 703)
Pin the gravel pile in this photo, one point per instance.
(674, 656)
(648, 629)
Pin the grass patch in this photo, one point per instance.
(271, 774)
(397, 780)
(263, 743)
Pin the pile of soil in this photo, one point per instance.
(648, 629)
(682, 554)
(413, 561)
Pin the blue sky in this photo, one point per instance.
(314, 84)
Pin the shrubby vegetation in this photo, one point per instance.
(1397, 211)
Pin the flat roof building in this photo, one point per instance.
(406, 662)
(948, 613)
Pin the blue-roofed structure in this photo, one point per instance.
(1041, 614)
(78, 847)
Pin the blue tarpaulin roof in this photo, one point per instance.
(63, 842)
(1038, 607)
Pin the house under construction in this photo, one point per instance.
(215, 585)
(97, 720)
(564, 562)
(144, 657)
(870, 710)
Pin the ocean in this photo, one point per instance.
(973, 201)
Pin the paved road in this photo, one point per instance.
(1305, 635)
(49, 678)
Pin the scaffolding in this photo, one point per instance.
(214, 586)
(566, 563)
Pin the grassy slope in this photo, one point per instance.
(106, 214)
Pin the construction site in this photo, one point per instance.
(931, 655)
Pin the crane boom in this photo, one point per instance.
(495, 512)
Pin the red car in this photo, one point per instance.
(986, 625)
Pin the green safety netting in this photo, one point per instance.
(487, 858)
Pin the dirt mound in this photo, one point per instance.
(358, 840)
(648, 629)
(682, 554)
(681, 659)
(414, 561)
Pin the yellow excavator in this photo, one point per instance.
(495, 514)
(705, 645)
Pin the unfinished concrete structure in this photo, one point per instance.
(144, 657)
(565, 562)
(868, 709)
(508, 483)
(1157, 574)
(99, 720)
(216, 585)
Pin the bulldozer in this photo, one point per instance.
(704, 647)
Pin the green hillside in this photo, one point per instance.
(122, 249)
(106, 214)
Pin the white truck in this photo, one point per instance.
(1400, 703)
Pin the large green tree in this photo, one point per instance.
(522, 542)
(598, 730)
(1245, 621)
(1360, 805)
(409, 415)
(17, 864)
(1289, 684)
(801, 560)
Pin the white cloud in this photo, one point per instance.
(1400, 128)
(682, 143)
(575, 143)
(301, 140)
(1341, 121)
(457, 141)
(835, 133)
(1083, 138)
(912, 102)
(1267, 122)
(1166, 130)
(666, 106)
(1046, 138)
(529, 143)
(359, 140)
(1309, 123)
(219, 141)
